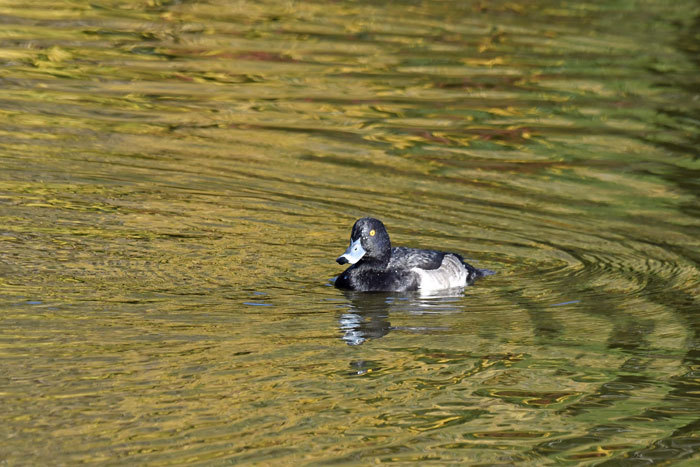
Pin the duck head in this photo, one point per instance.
(368, 241)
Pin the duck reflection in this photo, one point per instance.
(367, 314)
(367, 317)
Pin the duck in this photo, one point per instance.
(376, 266)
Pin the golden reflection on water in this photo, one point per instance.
(177, 178)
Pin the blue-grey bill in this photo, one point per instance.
(353, 254)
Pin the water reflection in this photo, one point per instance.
(367, 314)
(366, 318)
(174, 177)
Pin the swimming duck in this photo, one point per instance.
(376, 266)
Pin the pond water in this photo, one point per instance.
(178, 177)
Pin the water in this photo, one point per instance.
(177, 179)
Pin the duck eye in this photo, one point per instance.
(372, 232)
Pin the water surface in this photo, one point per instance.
(177, 178)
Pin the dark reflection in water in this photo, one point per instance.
(367, 317)
(367, 314)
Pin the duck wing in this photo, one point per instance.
(435, 269)
(409, 258)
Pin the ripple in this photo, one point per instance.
(177, 178)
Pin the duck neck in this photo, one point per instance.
(376, 262)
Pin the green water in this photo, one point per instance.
(177, 178)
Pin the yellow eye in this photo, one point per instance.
(372, 232)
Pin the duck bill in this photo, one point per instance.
(353, 254)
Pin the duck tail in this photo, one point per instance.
(475, 273)
(484, 272)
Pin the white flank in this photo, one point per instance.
(450, 274)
